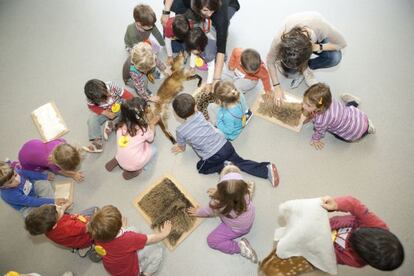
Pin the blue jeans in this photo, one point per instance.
(325, 59)
(95, 123)
(215, 163)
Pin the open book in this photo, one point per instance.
(64, 190)
(49, 122)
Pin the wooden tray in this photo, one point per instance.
(49, 122)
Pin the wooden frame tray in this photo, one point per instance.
(49, 122)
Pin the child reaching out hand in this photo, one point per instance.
(345, 122)
(231, 201)
(135, 137)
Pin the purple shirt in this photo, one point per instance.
(34, 155)
(239, 224)
(348, 122)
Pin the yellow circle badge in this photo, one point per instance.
(199, 62)
(100, 250)
(116, 107)
(123, 141)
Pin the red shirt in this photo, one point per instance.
(360, 217)
(116, 93)
(121, 257)
(71, 232)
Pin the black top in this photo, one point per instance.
(219, 18)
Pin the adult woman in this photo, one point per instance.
(303, 34)
(218, 11)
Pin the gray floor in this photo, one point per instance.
(48, 49)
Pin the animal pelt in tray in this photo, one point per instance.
(287, 113)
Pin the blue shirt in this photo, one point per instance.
(229, 120)
(24, 195)
(205, 139)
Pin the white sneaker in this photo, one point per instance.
(296, 81)
(346, 98)
(309, 77)
(247, 251)
(371, 127)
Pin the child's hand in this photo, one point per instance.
(211, 191)
(78, 176)
(109, 114)
(170, 60)
(165, 229)
(167, 71)
(50, 176)
(192, 211)
(154, 98)
(329, 203)
(60, 201)
(317, 144)
(177, 149)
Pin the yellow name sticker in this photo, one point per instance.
(116, 107)
(123, 141)
(100, 250)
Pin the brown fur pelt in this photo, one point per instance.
(172, 85)
(272, 265)
(287, 113)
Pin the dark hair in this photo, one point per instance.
(145, 15)
(6, 173)
(378, 247)
(105, 223)
(250, 60)
(133, 115)
(198, 5)
(180, 27)
(294, 50)
(196, 40)
(41, 219)
(184, 105)
(319, 95)
(96, 91)
(230, 197)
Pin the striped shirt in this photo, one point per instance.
(205, 139)
(348, 122)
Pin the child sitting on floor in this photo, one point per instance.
(23, 190)
(140, 68)
(231, 200)
(56, 156)
(362, 238)
(135, 136)
(118, 244)
(233, 114)
(68, 230)
(345, 122)
(246, 68)
(104, 100)
(142, 28)
(211, 145)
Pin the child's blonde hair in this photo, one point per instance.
(6, 173)
(142, 57)
(226, 92)
(66, 156)
(319, 95)
(105, 223)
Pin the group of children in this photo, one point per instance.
(114, 108)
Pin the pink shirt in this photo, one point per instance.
(134, 154)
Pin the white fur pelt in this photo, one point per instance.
(307, 234)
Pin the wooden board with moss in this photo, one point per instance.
(168, 200)
(289, 115)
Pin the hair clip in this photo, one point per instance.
(320, 101)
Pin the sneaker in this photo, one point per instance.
(95, 147)
(247, 251)
(83, 252)
(107, 130)
(309, 77)
(249, 115)
(273, 175)
(109, 166)
(347, 98)
(94, 256)
(371, 127)
(296, 82)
